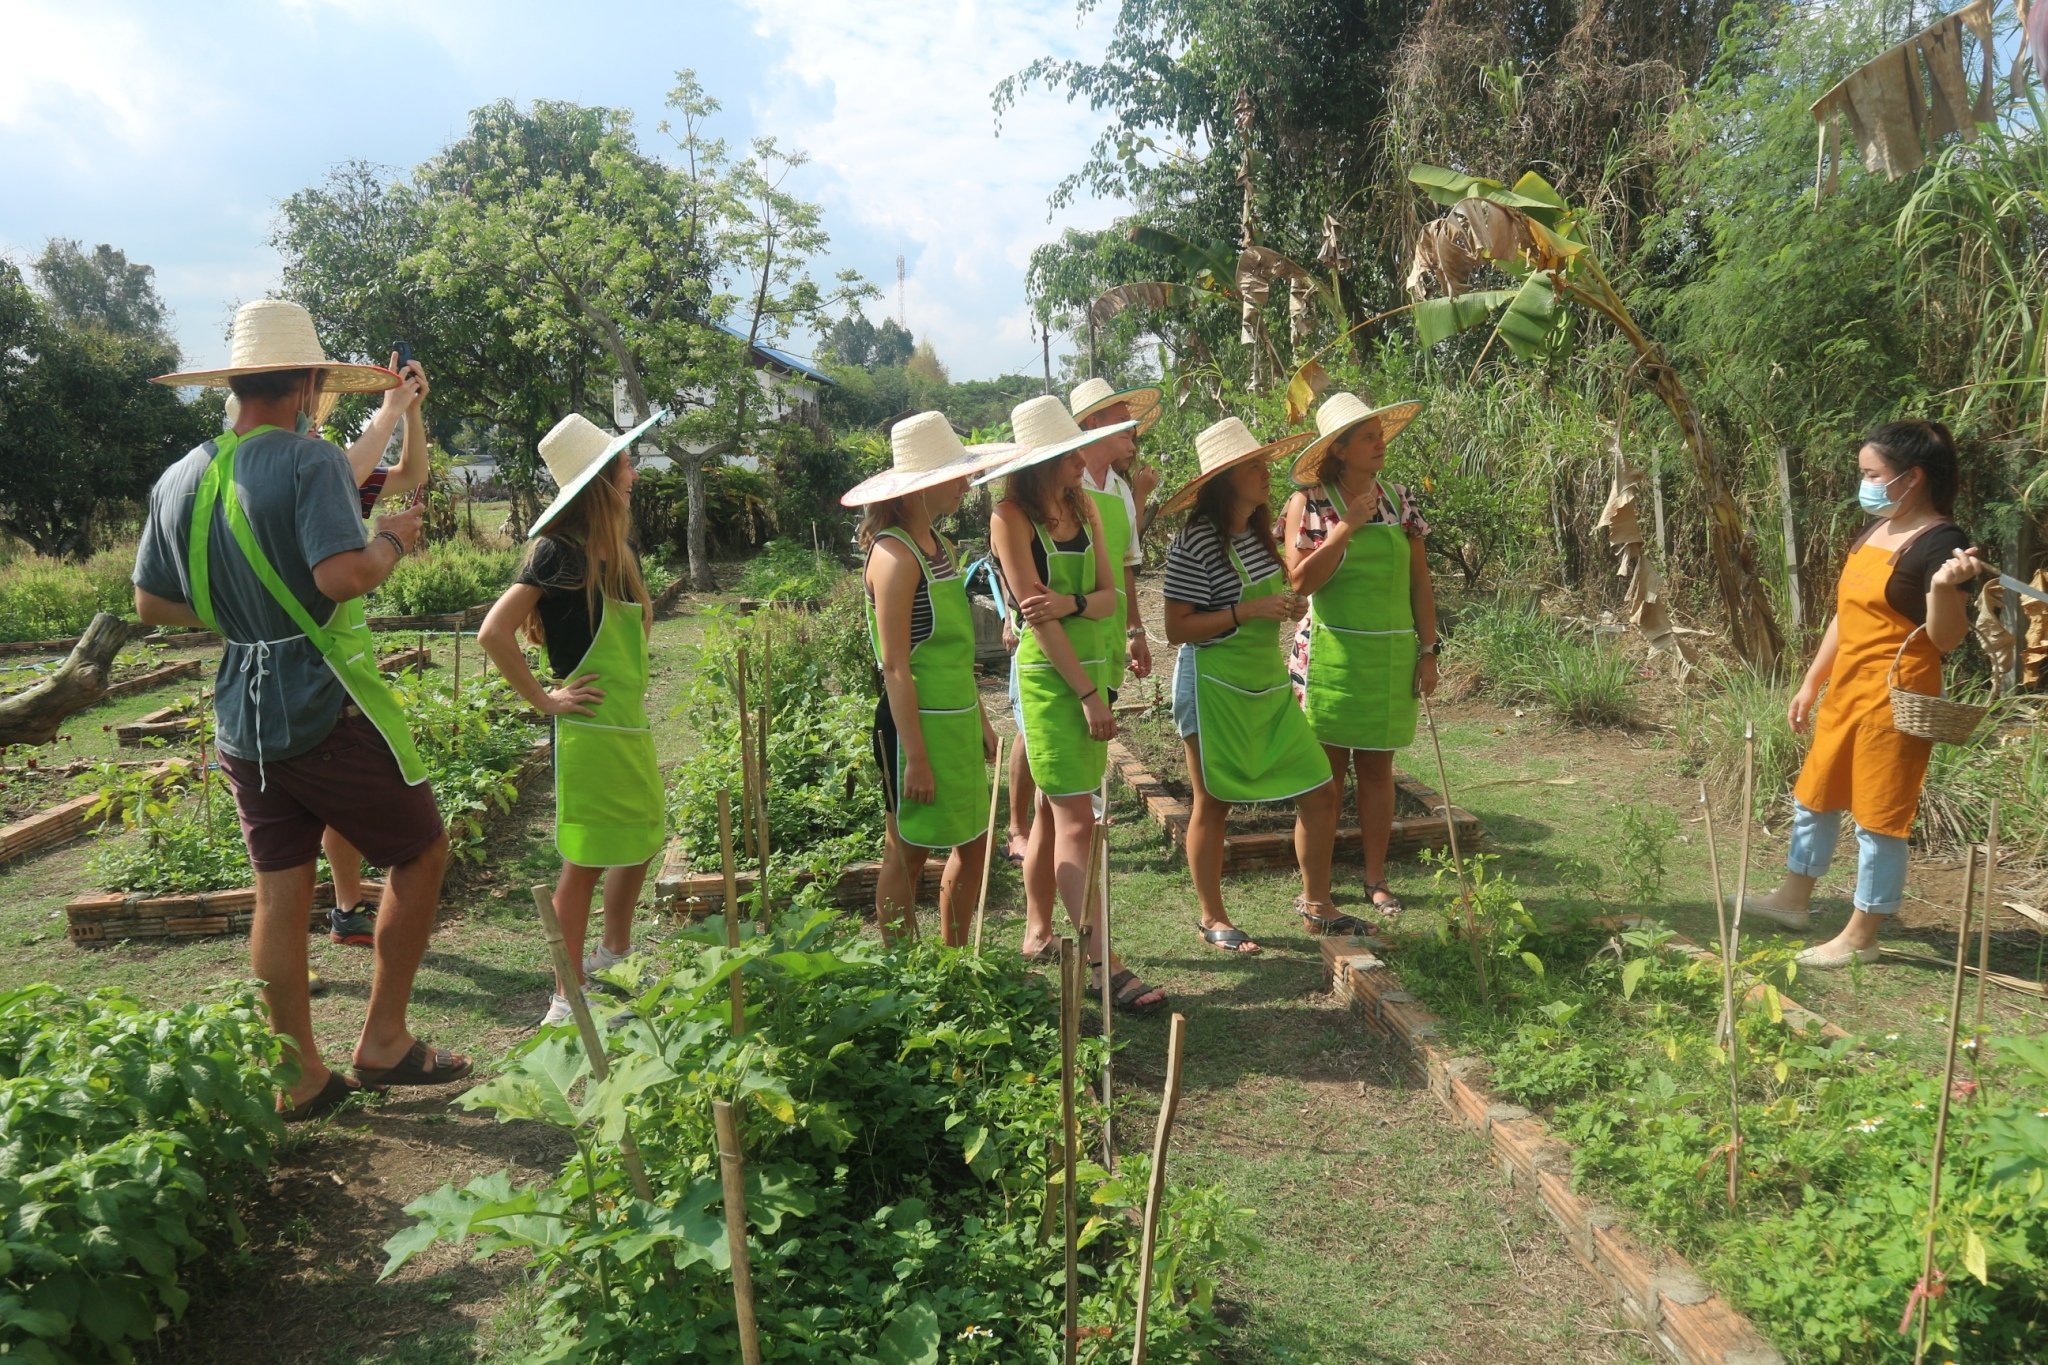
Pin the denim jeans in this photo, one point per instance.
(1880, 858)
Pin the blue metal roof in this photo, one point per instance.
(784, 358)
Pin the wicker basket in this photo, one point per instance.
(1924, 717)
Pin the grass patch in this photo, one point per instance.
(49, 599)
(785, 571)
(1521, 656)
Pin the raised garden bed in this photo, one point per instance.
(64, 821)
(111, 917)
(681, 891)
(177, 719)
(469, 619)
(1263, 835)
(1680, 1314)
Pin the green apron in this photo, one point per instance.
(949, 714)
(1064, 760)
(1255, 743)
(1362, 645)
(345, 642)
(609, 806)
(1116, 544)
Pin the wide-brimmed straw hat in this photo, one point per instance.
(1045, 430)
(1339, 413)
(925, 452)
(1222, 447)
(1091, 396)
(271, 334)
(576, 450)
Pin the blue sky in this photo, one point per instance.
(124, 121)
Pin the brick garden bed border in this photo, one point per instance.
(681, 891)
(65, 821)
(115, 916)
(1275, 848)
(1684, 1319)
(177, 719)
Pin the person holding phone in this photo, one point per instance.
(581, 596)
(353, 917)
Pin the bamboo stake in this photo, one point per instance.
(761, 771)
(1922, 1297)
(737, 985)
(1443, 790)
(1748, 822)
(732, 1172)
(1984, 937)
(746, 757)
(593, 1045)
(988, 847)
(1108, 996)
(1070, 1145)
(1155, 1183)
(455, 690)
(1727, 1005)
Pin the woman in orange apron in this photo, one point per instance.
(1906, 584)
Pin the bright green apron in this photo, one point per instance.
(345, 642)
(1256, 745)
(609, 810)
(1064, 760)
(1116, 544)
(949, 714)
(1362, 645)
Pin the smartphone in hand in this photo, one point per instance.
(404, 349)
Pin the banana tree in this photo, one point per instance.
(1244, 277)
(1531, 236)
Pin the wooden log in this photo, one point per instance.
(34, 715)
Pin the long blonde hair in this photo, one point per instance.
(598, 522)
(877, 517)
(1031, 489)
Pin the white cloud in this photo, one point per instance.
(72, 75)
(891, 99)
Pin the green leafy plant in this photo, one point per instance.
(124, 1133)
(897, 1110)
(447, 576)
(48, 599)
(1523, 656)
(785, 571)
(1643, 850)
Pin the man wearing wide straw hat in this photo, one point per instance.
(258, 535)
(931, 740)
(1048, 537)
(1368, 648)
(1246, 740)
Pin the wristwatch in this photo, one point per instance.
(1434, 647)
(1080, 604)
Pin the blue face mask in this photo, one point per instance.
(304, 423)
(1876, 497)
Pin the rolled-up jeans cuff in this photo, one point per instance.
(1816, 870)
(1879, 909)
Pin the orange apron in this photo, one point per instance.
(1858, 762)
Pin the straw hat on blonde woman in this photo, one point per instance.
(1354, 545)
(1048, 538)
(1226, 599)
(931, 740)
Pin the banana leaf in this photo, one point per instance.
(1309, 381)
(1451, 188)
(1531, 318)
(1156, 294)
(1439, 319)
(1213, 264)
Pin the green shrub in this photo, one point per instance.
(1724, 704)
(1521, 656)
(785, 571)
(49, 599)
(824, 796)
(448, 576)
(124, 1132)
(897, 1113)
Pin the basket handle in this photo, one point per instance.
(1892, 678)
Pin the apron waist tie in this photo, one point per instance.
(255, 667)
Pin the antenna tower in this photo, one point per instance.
(902, 312)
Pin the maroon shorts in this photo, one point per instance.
(348, 781)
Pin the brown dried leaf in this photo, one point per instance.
(1144, 294)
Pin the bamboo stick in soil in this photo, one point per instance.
(1155, 1184)
(988, 847)
(1984, 937)
(1748, 823)
(1443, 790)
(571, 976)
(1070, 1146)
(746, 725)
(1922, 1299)
(761, 770)
(1727, 1005)
(1099, 891)
(732, 1174)
(737, 985)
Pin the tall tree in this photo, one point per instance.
(82, 430)
(102, 290)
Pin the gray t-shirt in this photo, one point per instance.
(274, 696)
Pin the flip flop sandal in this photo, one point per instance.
(338, 1091)
(1126, 990)
(1332, 925)
(1229, 938)
(1389, 907)
(422, 1065)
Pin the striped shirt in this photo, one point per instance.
(943, 567)
(1199, 573)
